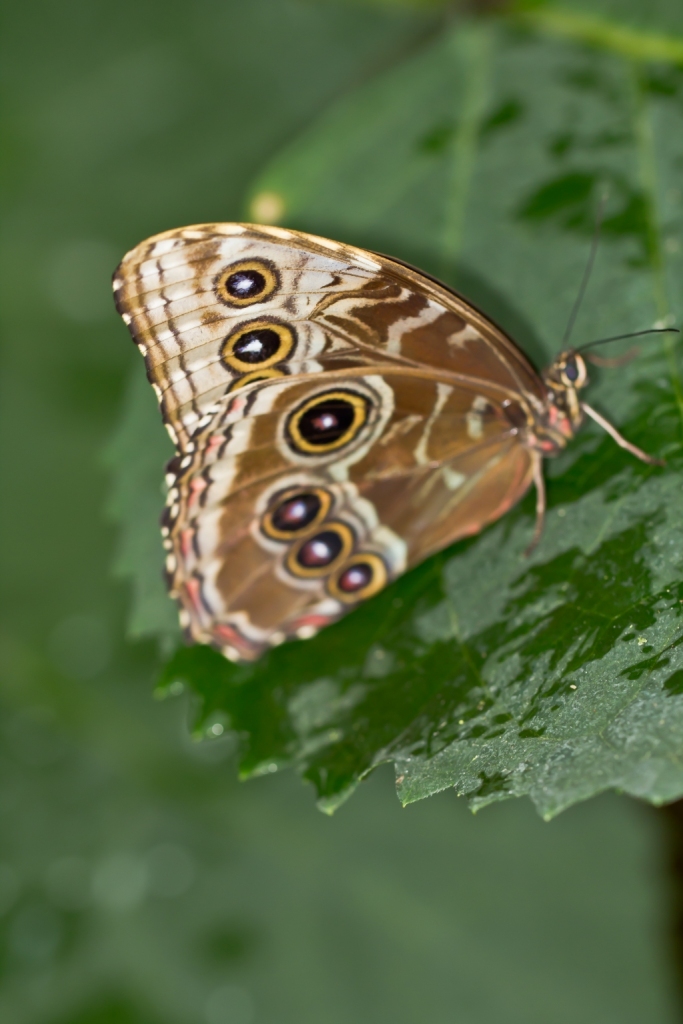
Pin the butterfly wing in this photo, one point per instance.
(186, 297)
(338, 417)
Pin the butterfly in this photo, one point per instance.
(338, 416)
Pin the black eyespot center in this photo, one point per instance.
(327, 421)
(245, 284)
(355, 578)
(257, 346)
(320, 550)
(297, 512)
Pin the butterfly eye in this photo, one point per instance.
(260, 343)
(573, 373)
(296, 512)
(247, 282)
(321, 553)
(361, 577)
(327, 422)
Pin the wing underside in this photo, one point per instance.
(306, 378)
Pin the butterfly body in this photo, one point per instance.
(338, 416)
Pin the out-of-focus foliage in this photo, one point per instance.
(481, 158)
(139, 883)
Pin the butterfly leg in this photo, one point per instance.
(539, 484)
(621, 441)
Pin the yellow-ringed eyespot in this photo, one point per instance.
(255, 375)
(247, 282)
(258, 344)
(295, 512)
(322, 552)
(362, 576)
(326, 422)
(573, 372)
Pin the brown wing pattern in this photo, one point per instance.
(338, 417)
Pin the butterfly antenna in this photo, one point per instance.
(633, 334)
(587, 272)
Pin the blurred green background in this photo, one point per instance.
(139, 882)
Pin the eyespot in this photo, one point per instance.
(362, 576)
(327, 422)
(259, 343)
(295, 512)
(247, 282)
(321, 553)
(254, 376)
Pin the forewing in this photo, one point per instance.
(324, 306)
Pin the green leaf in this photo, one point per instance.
(481, 159)
(136, 456)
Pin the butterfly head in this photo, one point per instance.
(563, 379)
(567, 373)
